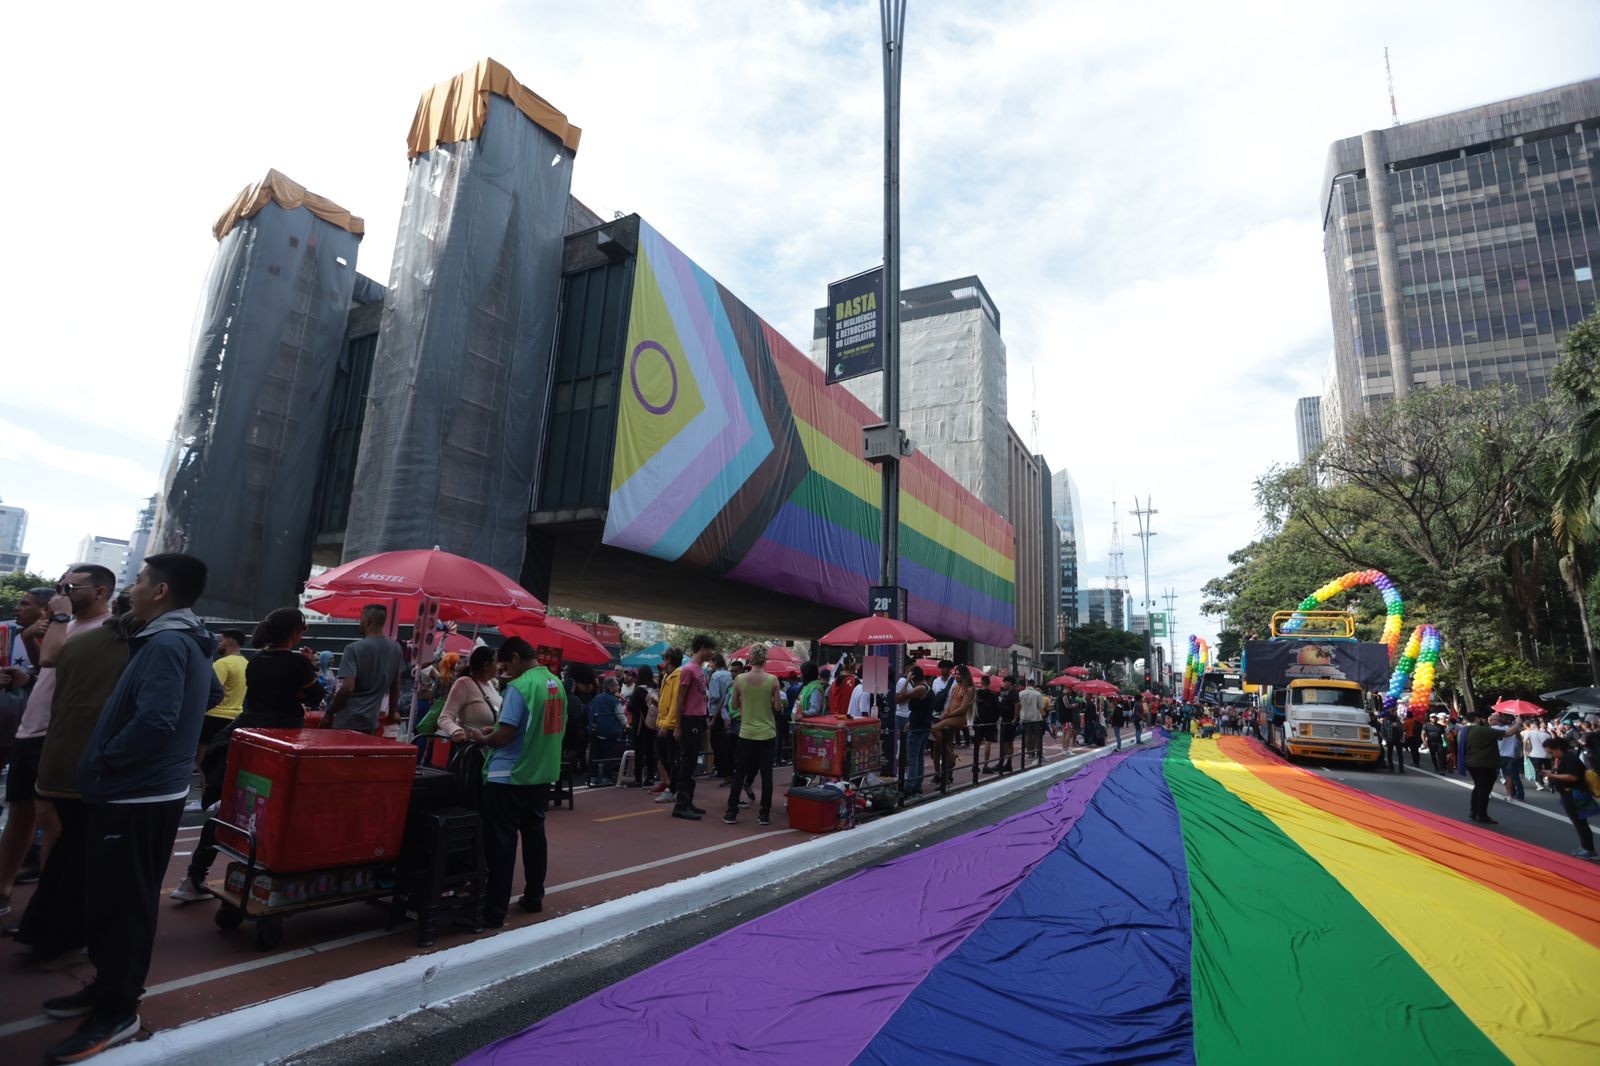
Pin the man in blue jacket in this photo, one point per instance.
(134, 777)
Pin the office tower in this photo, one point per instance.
(1472, 257)
(13, 530)
(1308, 425)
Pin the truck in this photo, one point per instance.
(1315, 678)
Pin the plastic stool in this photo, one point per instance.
(447, 872)
(625, 767)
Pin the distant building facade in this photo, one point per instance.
(1460, 249)
(109, 552)
(13, 531)
(1068, 511)
(1308, 426)
(1108, 606)
(138, 542)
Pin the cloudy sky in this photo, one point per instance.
(1137, 184)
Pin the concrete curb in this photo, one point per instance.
(302, 1020)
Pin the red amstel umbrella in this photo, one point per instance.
(1078, 671)
(1521, 708)
(875, 630)
(1068, 683)
(1098, 688)
(577, 644)
(466, 590)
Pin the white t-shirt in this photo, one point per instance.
(1534, 740)
(860, 703)
(1030, 704)
(901, 710)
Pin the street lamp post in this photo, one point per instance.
(1144, 514)
(892, 14)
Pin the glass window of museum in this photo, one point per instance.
(1497, 251)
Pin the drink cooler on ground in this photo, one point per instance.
(836, 747)
(316, 798)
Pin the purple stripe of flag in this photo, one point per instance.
(813, 981)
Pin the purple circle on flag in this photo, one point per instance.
(633, 375)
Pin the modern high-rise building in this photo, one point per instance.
(1052, 557)
(109, 552)
(1308, 425)
(13, 530)
(1068, 511)
(1110, 607)
(1461, 248)
(1026, 514)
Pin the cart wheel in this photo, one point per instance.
(229, 917)
(269, 933)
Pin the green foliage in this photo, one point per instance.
(1512, 676)
(14, 586)
(728, 640)
(1230, 642)
(1577, 376)
(1100, 647)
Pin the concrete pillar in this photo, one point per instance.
(1394, 315)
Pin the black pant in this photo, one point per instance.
(1568, 804)
(752, 757)
(1436, 753)
(1483, 779)
(510, 811)
(1396, 757)
(53, 922)
(644, 755)
(1415, 748)
(692, 743)
(127, 849)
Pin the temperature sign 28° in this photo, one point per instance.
(887, 600)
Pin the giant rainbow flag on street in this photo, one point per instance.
(1192, 901)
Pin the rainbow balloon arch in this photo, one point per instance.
(1194, 666)
(1415, 666)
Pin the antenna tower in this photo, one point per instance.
(1035, 375)
(1117, 571)
(1394, 112)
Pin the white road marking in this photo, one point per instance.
(1563, 819)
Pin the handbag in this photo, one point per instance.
(1584, 805)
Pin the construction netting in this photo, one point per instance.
(457, 402)
(242, 468)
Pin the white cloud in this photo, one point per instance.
(1136, 184)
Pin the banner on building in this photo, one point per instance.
(855, 339)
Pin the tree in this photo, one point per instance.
(1575, 506)
(727, 639)
(1101, 648)
(1450, 477)
(14, 586)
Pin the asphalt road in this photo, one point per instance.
(1537, 820)
(437, 1037)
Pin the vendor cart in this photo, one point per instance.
(843, 749)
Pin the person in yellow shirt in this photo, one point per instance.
(229, 668)
(666, 719)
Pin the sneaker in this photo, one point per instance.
(658, 790)
(28, 876)
(75, 1005)
(193, 807)
(698, 810)
(665, 797)
(730, 819)
(1583, 853)
(532, 906)
(685, 812)
(763, 820)
(94, 1036)
(1488, 821)
(189, 892)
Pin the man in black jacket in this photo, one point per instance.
(134, 777)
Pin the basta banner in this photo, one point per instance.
(855, 334)
(1276, 663)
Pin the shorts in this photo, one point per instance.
(210, 726)
(1510, 766)
(986, 732)
(24, 773)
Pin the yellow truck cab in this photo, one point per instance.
(1326, 719)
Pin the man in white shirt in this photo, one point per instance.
(861, 702)
(1533, 743)
(1030, 712)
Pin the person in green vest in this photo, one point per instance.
(524, 760)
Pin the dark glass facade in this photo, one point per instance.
(1496, 248)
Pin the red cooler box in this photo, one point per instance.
(316, 798)
(814, 810)
(836, 747)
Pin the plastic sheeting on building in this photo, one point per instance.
(456, 406)
(1194, 902)
(242, 473)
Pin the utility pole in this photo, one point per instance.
(1143, 515)
(1171, 597)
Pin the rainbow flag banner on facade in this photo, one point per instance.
(1191, 901)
